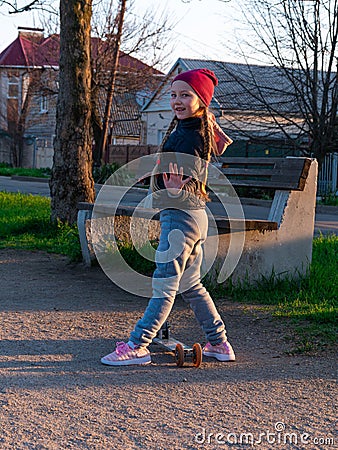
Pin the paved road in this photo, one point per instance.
(326, 218)
(26, 187)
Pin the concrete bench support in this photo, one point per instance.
(287, 250)
(83, 225)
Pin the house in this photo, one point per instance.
(28, 96)
(239, 106)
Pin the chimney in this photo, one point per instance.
(31, 34)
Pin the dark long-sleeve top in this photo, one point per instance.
(185, 148)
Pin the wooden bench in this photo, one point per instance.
(279, 244)
(280, 175)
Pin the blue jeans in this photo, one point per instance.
(178, 262)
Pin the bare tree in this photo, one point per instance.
(16, 7)
(148, 37)
(20, 6)
(142, 37)
(300, 39)
(71, 179)
(112, 78)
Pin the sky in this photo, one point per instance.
(202, 27)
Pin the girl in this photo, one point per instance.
(179, 191)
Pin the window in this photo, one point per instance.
(160, 136)
(41, 142)
(13, 87)
(43, 104)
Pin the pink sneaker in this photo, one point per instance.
(223, 351)
(126, 356)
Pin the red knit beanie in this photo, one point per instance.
(202, 81)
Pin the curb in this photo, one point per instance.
(326, 209)
(24, 178)
(255, 202)
(320, 209)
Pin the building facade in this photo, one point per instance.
(29, 70)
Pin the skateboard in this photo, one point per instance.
(181, 351)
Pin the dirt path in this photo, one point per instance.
(59, 319)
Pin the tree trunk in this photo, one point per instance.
(71, 180)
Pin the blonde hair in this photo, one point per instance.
(207, 135)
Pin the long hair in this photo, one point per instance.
(206, 133)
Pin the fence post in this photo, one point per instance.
(334, 172)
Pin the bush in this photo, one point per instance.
(329, 199)
(102, 173)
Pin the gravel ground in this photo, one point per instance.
(57, 321)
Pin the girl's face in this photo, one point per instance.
(184, 101)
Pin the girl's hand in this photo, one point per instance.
(174, 182)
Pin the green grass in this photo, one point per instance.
(309, 302)
(313, 296)
(137, 262)
(8, 171)
(330, 200)
(25, 224)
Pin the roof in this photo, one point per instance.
(126, 62)
(125, 113)
(126, 118)
(243, 87)
(32, 49)
(250, 87)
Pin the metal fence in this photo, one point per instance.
(328, 175)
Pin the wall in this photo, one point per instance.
(122, 154)
(5, 155)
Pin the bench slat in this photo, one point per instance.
(276, 173)
(225, 225)
(257, 184)
(235, 171)
(248, 161)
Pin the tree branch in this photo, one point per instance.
(17, 10)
